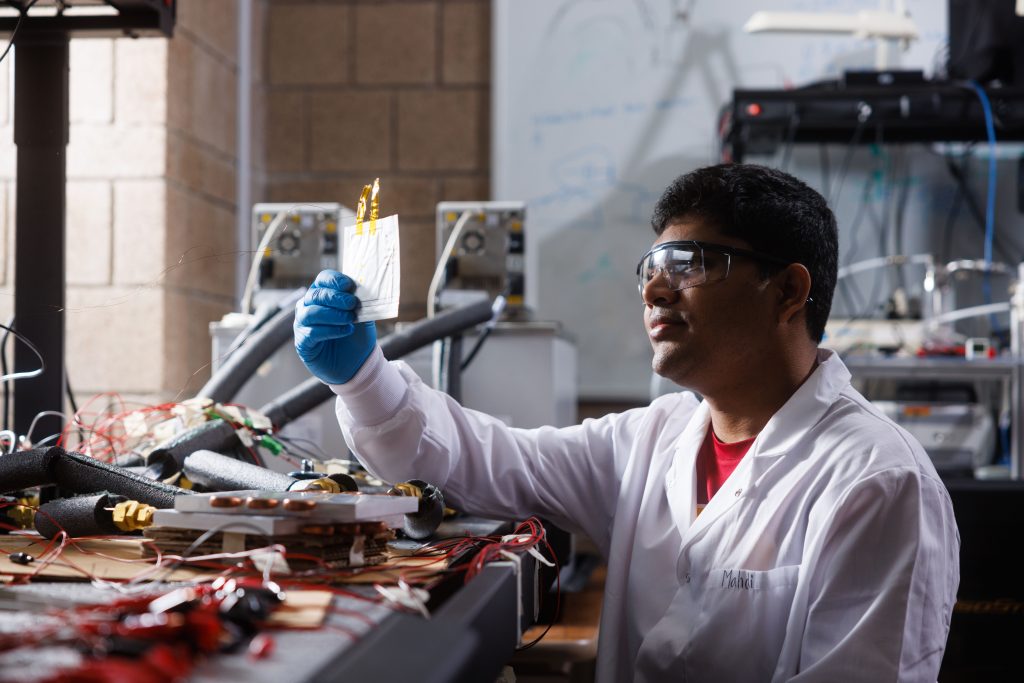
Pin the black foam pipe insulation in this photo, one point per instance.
(80, 516)
(220, 437)
(243, 363)
(312, 392)
(221, 473)
(215, 435)
(77, 473)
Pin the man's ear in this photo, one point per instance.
(794, 283)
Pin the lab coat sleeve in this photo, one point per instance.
(402, 429)
(883, 584)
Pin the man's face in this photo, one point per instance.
(709, 337)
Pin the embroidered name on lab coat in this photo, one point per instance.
(738, 579)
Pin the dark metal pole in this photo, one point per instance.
(41, 134)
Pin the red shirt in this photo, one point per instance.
(715, 462)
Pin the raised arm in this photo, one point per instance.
(402, 429)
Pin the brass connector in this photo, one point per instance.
(132, 515)
(323, 484)
(21, 516)
(407, 489)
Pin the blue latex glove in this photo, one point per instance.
(331, 344)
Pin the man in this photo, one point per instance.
(780, 529)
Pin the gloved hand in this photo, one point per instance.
(331, 344)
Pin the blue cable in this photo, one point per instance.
(990, 202)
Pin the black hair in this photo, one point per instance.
(770, 210)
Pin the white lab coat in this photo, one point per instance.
(830, 554)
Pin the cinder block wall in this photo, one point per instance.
(199, 239)
(150, 204)
(344, 91)
(363, 88)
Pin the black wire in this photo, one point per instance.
(318, 454)
(300, 451)
(951, 219)
(844, 167)
(74, 407)
(883, 226)
(975, 210)
(5, 416)
(71, 394)
(476, 347)
(17, 25)
(42, 363)
(849, 284)
(902, 199)
(794, 123)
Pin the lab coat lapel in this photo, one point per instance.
(680, 480)
(782, 433)
(728, 496)
(804, 408)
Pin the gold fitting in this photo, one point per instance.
(407, 489)
(132, 515)
(21, 516)
(323, 484)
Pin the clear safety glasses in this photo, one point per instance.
(688, 263)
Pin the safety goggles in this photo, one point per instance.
(689, 263)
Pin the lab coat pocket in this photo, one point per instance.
(744, 613)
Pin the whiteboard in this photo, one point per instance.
(599, 104)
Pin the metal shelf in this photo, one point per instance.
(931, 368)
(1006, 369)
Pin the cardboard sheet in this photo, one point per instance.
(117, 559)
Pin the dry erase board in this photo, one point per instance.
(599, 104)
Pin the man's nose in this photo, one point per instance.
(657, 292)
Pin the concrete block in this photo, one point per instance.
(5, 92)
(184, 163)
(285, 126)
(140, 80)
(442, 130)
(350, 131)
(6, 233)
(8, 153)
(199, 168)
(466, 41)
(309, 44)
(218, 176)
(103, 151)
(180, 58)
(214, 102)
(88, 232)
(6, 311)
(418, 263)
(466, 189)
(91, 80)
(115, 338)
(396, 43)
(258, 42)
(139, 235)
(214, 23)
(201, 248)
(188, 317)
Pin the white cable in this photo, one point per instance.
(254, 269)
(45, 413)
(442, 263)
(10, 377)
(969, 312)
(882, 261)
